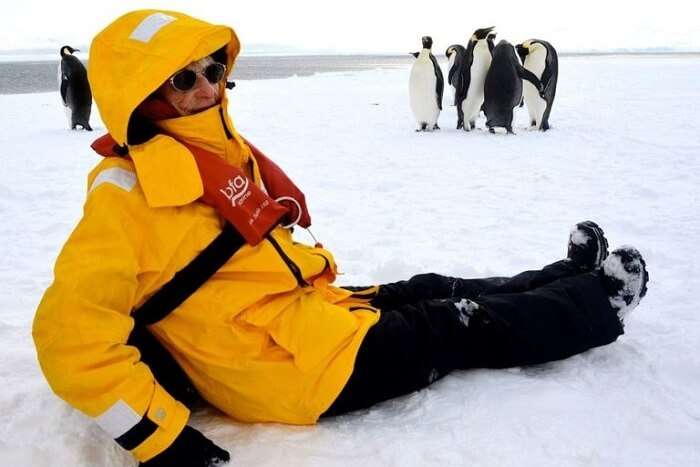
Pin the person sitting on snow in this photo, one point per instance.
(183, 238)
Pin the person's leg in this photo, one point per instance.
(409, 348)
(530, 280)
(414, 345)
(587, 248)
(552, 322)
(559, 319)
(422, 287)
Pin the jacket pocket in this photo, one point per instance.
(310, 329)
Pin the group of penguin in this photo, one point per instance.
(485, 77)
(75, 89)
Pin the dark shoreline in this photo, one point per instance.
(40, 76)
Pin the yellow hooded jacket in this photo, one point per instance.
(259, 342)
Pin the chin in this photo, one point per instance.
(202, 108)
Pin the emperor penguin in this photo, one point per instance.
(470, 95)
(425, 88)
(75, 89)
(541, 59)
(456, 56)
(503, 88)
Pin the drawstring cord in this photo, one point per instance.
(291, 225)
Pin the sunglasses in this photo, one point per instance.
(185, 80)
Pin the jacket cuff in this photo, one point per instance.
(163, 422)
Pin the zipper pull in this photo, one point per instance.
(317, 244)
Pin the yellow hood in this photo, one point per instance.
(135, 54)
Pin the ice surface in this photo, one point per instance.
(390, 203)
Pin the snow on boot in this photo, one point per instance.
(625, 278)
(588, 246)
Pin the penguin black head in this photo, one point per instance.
(522, 51)
(483, 33)
(427, 42)
(68, 50)
(504, 43)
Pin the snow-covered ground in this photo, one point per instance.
(624, 151)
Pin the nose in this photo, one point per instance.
(204, 88)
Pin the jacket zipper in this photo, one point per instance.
(290, 264)
(229, 135)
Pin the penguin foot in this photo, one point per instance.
(472, 124)
(492, 131)
(436, 127)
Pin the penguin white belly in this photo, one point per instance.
(534, 62)
(475, 94)
(422, 89)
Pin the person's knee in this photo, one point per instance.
(431, 285)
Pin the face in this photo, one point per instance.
(202, 95)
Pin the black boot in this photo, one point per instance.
(588, 246)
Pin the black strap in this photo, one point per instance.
(137, 434)
(187, 280)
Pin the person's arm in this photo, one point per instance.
(83, 323)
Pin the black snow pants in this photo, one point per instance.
(433, 324)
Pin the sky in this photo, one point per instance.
(376, 26)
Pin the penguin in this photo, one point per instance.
(425, 88)
(541, 59)
(456, 55)
(75, 89)
(470, 95)
(503, 88)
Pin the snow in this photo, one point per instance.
(578, 236)
(466, 310)
(390, 203)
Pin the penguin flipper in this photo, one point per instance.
(64, 89)
(526, 74)
(440, 81)
(64, 72)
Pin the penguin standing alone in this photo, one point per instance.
(470, 96)
(503, 89)
(425, 88)
(75, 89)
(541, 59)
(456, 58)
